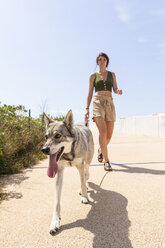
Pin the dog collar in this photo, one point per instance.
(71, 155)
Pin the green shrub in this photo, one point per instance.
(21, 139)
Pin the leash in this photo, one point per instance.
(86, 122)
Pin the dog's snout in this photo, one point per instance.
(45, 150)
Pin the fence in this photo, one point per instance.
(152, 125)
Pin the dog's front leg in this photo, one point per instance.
(84, 196)
(55, 224)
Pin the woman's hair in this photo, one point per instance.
(105, 56)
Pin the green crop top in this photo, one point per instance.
(100, 84)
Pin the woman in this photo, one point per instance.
(103, 113)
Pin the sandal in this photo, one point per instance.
(107, 166)
(100, 156)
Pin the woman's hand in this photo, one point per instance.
(87, 114)
(119, 92)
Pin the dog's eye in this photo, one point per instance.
(46, 137)
(57, 136)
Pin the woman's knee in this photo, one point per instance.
(109, 136)
(103, 134)
(102, 130)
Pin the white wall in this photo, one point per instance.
(152, 125)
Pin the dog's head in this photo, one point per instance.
(59, 138)
(59, 135)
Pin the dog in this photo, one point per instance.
(67, 145)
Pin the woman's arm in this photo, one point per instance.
(90, 92)
(115, 88)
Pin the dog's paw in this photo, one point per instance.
(55, 226)
(84, 200)
(54, 230)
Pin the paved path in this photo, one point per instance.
(127, 206)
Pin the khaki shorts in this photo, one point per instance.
(102, 106)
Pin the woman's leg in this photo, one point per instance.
(110, 127)
(101, 125)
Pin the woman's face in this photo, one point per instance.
(102, 61)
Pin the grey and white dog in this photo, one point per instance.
(67, 145)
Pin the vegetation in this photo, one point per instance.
(21, 139)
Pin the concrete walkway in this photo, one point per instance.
(127, 206)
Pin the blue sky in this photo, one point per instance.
(48, 50)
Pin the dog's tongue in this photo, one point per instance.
(53, 166)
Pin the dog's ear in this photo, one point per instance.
(47, 119)
(68, 121)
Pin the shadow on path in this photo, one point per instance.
(131, 169)
(107, 219)
(6, 180)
